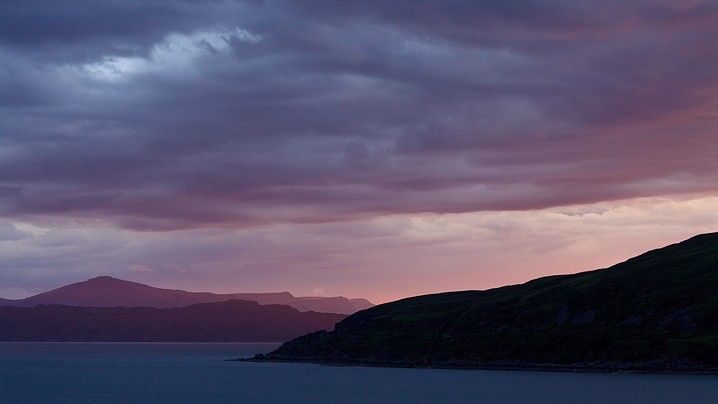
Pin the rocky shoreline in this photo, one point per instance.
(654, 367)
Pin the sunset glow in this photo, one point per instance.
(364, 149)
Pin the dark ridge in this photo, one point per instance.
(6, 302)
(105, 291)
(228, 321)
(654, 312)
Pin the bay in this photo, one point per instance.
(200, 373)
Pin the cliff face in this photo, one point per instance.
(229, 321)
(657, 309)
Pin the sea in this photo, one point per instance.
(201, 373)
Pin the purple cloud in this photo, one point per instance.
(190, 114)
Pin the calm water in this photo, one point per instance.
(198, 373)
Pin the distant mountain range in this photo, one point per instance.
(105, 291)
(654, 312)
(227, 321)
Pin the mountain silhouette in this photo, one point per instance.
(105, 291)
(654, 312)
(227, 321)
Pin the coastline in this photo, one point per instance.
(656, 367)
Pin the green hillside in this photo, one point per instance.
(657, 311)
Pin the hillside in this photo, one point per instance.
(657, 311)
(105, 291)
(228, 321)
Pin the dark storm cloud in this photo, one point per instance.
(160, 115)
(79, 29)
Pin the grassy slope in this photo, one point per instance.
(660, 307)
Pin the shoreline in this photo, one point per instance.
(618, 368)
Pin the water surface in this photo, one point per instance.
(198, 373)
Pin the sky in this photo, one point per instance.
(360, 148)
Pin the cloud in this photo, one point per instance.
(234, 114)
(329, 142)
(140, 268)
(10, 232)
(369, 258)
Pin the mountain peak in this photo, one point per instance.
(106, 291)
(109, 280)
(103, 278)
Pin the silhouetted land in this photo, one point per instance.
(229, 321)
(655, 312)
(105, 291)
